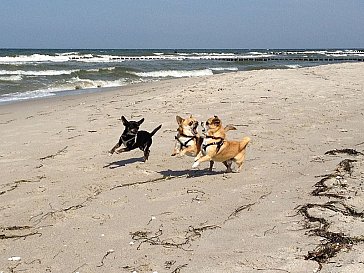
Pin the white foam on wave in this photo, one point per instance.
(26, 95)
(11, 78)
(174, 73)
(65, 57)
(101, 69)
(73, 84)
(224, 69)
(105, 58)
(32, 58)
(293, 66)
(204, 54)
(96, 59)
(37, 73)
(67, 53)
(87, 83)
(257, 53)
(334, 53)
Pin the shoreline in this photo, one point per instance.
(71, 71)
(76, 209)
(89, 91)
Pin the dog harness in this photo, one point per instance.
(128, 142)
(185, 144)
(217, 143)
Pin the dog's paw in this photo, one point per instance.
(195, 165)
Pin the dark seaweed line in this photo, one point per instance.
(334, 242)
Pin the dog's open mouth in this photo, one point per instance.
(194, 128)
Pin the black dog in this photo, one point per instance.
(132, 138)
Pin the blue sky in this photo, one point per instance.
(181, 24)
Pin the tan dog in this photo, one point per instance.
(215, 146)
(188, 140)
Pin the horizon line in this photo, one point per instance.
(91, 48)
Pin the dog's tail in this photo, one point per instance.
(243, 143)
(229, 127)
(155, 130)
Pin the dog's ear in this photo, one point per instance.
(141, 121)
(125, 122)
(179, 120)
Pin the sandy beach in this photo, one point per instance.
(296, 206)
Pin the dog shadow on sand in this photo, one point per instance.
(166, 173)
(190, 173)
(123, 162)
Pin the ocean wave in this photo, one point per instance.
(224, 68)
(77, 83)
(174, 73)
(98, 57)
(101, 69)
(104, 58)
(346, 52)
(11, 78)
(67, 53)
(57, 70)
(204, 54)
(58, 58)
(32, 59)
(37, 73)
(26, 95)
(293, 66)
(71, 85)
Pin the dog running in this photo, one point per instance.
(215, 147)
(132, 138)
(188, 141)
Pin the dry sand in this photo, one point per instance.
(66, 206)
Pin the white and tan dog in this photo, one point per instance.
(215, 146)
(188, 140)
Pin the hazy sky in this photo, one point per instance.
(181, 24)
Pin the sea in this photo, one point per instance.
(38, 73)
